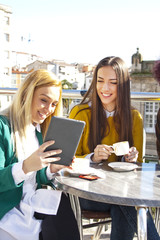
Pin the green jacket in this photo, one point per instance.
(11, 193)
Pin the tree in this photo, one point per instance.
(66, 84)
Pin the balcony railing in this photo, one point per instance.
(78, 94)
(72, 97)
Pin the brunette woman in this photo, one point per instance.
(109, 118)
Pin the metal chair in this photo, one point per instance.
(103, 218)
(157, 219)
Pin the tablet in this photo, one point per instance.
(66, 133)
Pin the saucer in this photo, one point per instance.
(123, 166)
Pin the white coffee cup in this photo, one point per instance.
(80, 163)
(121, 148)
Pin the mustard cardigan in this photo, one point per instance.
(112, 137)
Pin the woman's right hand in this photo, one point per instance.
(101, 152)
(40, 159)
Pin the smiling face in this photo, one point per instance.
(44, 103)
(107, 87)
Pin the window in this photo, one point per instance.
(23, 77)
(6, 20)
(6, 37)
(13, 80)
(151, 109)
(6, 54)
(6, 71)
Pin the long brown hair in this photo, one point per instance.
(122, 116)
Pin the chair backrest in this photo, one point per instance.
(95, 214)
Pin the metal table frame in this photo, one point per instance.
(146, 193)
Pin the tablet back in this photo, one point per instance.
(66, 133)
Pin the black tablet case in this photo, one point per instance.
(66, 133)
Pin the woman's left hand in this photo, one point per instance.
(56, 167)
(132, 155)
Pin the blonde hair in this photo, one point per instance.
(19, 112)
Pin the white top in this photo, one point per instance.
(19, 222)
(109, 114)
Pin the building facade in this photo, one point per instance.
(5, 46)
(142, 80)
(63, 71)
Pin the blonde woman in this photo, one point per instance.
(26, 210)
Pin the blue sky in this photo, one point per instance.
(88, 30)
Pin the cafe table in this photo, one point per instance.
(139, 187)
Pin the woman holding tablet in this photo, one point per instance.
(26, 210)
(109, 118)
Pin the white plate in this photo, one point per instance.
(80, 171)
(87, 171)
(122, 166)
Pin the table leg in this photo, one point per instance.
(77, 212)
(157, 215)
(142, 223)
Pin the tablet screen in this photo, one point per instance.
(66, 133)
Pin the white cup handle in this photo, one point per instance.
(112, 148)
